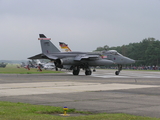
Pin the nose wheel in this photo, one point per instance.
(119, 69)
(117, 73)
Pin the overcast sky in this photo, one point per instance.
(83, 24)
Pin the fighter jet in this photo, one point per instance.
(76, 60)
(113, 55)
(23, 64)
(45, 65)
(3, 65)
(49, 66)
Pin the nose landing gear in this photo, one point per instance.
(119, 69)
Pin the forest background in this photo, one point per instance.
(146, 52)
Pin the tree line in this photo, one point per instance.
(146, 52)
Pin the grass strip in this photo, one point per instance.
(23, 111)
(12, 69)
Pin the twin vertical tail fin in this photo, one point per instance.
(47, 46)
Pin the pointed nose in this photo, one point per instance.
(110, 62)
(130, 61)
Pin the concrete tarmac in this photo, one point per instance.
(132, 92)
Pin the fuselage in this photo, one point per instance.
(72, 54)
(80, 58)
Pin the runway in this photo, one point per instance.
(127, 74)
(61, 87)
(132, 92)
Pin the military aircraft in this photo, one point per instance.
(76, 60)
(45, 65)
(49, 65)
(23, 64)
(31, 64)
(113, 55)
(3, 65)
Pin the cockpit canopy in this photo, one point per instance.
(113, 52)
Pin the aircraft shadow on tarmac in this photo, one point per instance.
(63, 74)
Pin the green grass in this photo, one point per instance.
(12, 69)
(23, 111)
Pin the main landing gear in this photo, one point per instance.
(119, 69)
(76, 70)
(88, 72)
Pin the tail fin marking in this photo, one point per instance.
(47, 46)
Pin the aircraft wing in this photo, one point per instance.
(43, 56)
(39, 56)
(51, 57)
(84, 56)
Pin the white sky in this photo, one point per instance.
(83, 24)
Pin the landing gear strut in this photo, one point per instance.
(56, 68)
(94, 70)
(119, 69)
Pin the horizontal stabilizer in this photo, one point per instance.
(51, 57)
(39, 56)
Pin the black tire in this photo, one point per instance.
(117, 73)
(75, 72)
(88, 72)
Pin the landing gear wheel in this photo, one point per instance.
(88, 72)
(94, 70)
(75, 72)
(117, 73)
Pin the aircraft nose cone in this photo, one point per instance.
(131, 61)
